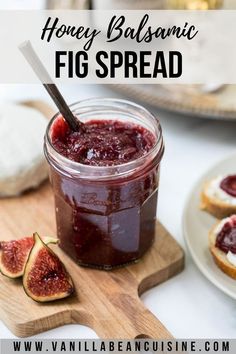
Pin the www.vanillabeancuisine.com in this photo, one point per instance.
(115, 346)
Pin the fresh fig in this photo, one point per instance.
(45, 277)
(14, 255)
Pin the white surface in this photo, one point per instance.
(196, 226)
(188, 305)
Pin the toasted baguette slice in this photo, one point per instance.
(218, 208)
(219, 256)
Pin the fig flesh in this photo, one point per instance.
(14, 255)
(45, 277)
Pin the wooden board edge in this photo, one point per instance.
(163, 275)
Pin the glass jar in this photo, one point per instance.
(106, 216)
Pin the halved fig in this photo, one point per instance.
(45, 277)
(14, 255)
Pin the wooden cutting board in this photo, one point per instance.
(106, 301)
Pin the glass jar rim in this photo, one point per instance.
(73, 168)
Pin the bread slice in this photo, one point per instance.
(22, 162)
(219, 256)
(218, 208)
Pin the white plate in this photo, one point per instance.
(185, 99)
(196, 224)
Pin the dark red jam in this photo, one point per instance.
(102, 143)
(228, 184)
(226, 239)
(111, 222)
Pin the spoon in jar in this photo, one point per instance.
(32, 58)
